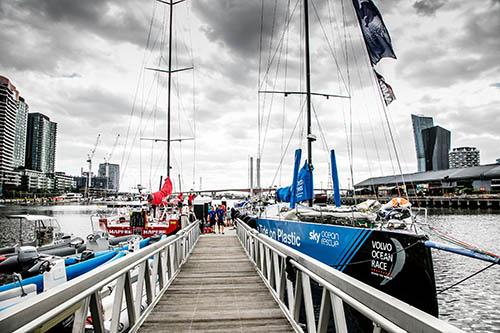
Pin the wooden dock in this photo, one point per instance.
(217, 290)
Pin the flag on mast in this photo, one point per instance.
(377, 39)
(385, 88)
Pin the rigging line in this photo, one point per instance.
(384, 108)
(154, 135)
(179, 103)
(375, 86)
(139, 128)
(364, 99)
(148, 39)
(259, 129)
(348, 133)
(323, 139)
(284, 97)
(289, 141)
(466, 278)
(272, 102)
(194, 95)
(280, 41)
(269, 55)
(176, 87)
(330, 47)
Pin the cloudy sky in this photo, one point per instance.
(82, 64)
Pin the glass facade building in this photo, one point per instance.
(41, 143)
(113, 175)
(436, 141)
(420, 123)
(20, 134)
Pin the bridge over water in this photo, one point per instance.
(239, 282)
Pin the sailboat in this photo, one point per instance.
(158, 213)
(377, 245)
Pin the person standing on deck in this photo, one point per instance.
(191, 197)
(220, 218)
(233, 216)
(211, 218)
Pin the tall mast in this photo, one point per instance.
(169, 71)
(169, 85)
(310, 136)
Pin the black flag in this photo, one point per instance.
(385, 88)
(377, 39)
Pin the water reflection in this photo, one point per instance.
(474, 305)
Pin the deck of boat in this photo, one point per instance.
(217, 290)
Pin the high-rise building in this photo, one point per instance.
(436, 141)
(41, 143)
(20, 135)
(113, 175)
(464, 157)
(420, 123)
(9, 106)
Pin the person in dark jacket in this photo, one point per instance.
(220, 218)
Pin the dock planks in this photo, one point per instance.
(217, 290)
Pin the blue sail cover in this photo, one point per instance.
(378, 41)
(335, 179)
(283, 194)
(305, 190)
(293, 188)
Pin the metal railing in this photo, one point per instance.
(288, 274)
(142, 276)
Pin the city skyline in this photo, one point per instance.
(88, 84)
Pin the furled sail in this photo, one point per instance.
(157, 197)
(302, 185)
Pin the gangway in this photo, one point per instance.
(244, 281)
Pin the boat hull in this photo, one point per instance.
(396, 263)
(125, 229)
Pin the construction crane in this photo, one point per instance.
(107, 158)
(90, 156)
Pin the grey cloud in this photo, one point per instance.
(71, 75)
(236, 24)
(467, 56)
(43, 34)
(106, 19)
(428, 7)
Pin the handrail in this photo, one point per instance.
(154, 268)
(288, 274)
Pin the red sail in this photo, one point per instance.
(166, 190)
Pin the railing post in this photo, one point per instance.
(338, 313)
(96, 312)
(81, 316)
(129, 300)
(298, 296)
(324, 311)
(308, 304)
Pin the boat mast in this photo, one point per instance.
(310, 136)
(169, 84)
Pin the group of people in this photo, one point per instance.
(216, 217)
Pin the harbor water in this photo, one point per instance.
(473, 305)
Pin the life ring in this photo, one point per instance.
(397, 203)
